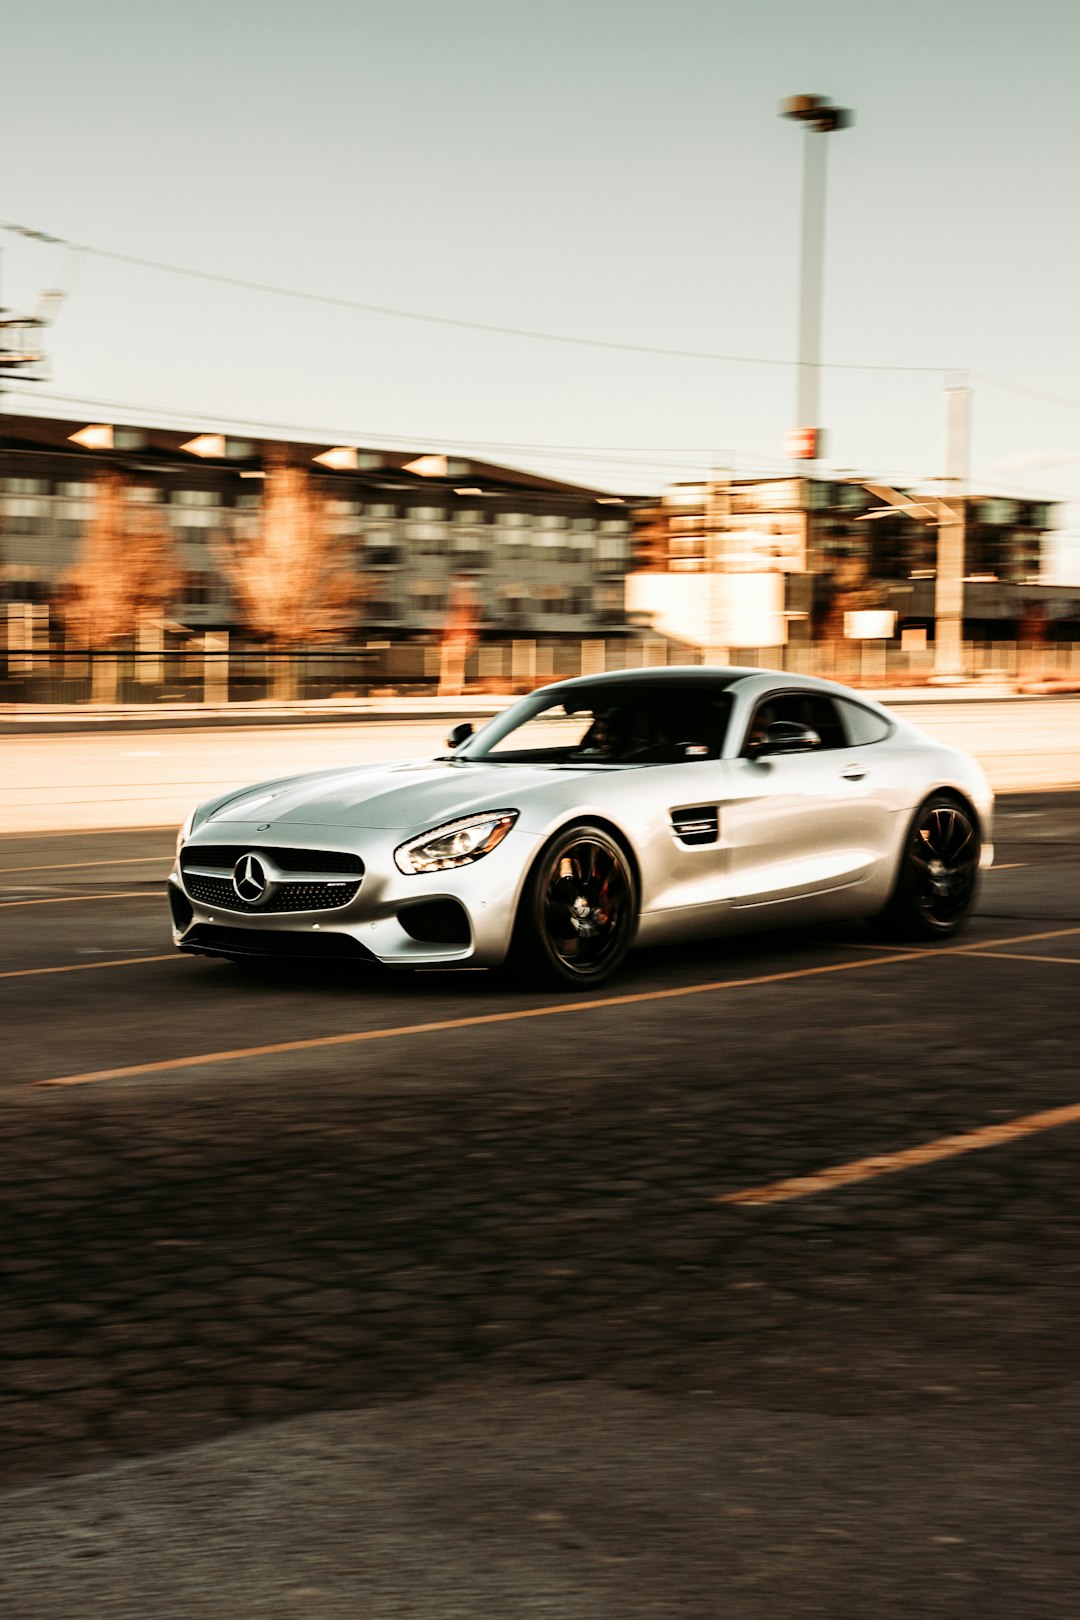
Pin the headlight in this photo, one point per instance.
(185, 831)
(456, 844)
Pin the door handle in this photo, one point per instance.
(853, 773)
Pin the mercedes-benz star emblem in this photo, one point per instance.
(249, 879)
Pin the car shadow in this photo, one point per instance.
(651, 967)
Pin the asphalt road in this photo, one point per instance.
(462, 1320)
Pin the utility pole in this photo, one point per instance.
(21, 353)
(717, 511)
(819, 119)
(952, 508)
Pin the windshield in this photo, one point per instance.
(612, 726)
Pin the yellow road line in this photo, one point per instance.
(67, 866)
(76, 899)
(957, 950)
(1008, 866)
(1018, 939)
(884, 1164)
(1022, 956)
(438, 1026)
(83, 967)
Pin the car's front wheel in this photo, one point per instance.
(578, 910)
(939, 872)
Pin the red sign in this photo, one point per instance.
(802, 444)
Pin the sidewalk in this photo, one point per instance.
(24, 719)
(21, 719)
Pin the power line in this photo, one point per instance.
(1022, 388)
(330, 301)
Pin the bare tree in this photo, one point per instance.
(458, 637)
(126, 571)
(288, 578)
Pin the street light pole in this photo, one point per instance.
(820, 119)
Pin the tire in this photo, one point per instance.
(577, 913)
(938, 878)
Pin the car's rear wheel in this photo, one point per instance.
(578, 910)
(939, 873)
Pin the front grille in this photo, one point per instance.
(219, 893)
(207, 871)
(696, 824)
(286, 860)
(206, 937)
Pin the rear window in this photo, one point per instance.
(863, 726)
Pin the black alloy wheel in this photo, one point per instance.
(578, 911)
(939, 872)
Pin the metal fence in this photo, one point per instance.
(195, 673)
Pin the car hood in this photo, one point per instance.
(405, 796)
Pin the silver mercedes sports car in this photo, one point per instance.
(641, 807)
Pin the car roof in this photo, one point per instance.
(714, 678)
(706, 677)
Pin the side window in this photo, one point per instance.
(801, 709)
(821, 714)
(863, 726)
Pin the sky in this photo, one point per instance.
(613, 170)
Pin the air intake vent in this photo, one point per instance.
(696, 824)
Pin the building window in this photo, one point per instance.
(427, 595)
(26, 514)
(199, 588)
(430, 538)
(25, 486)
(189, 535)
(997, 512)
(194, 519)
(196, 497)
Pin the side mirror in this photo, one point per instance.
(459, 734)
(785, 737)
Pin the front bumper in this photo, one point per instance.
(472, 926)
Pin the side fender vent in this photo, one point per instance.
(696, 824)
